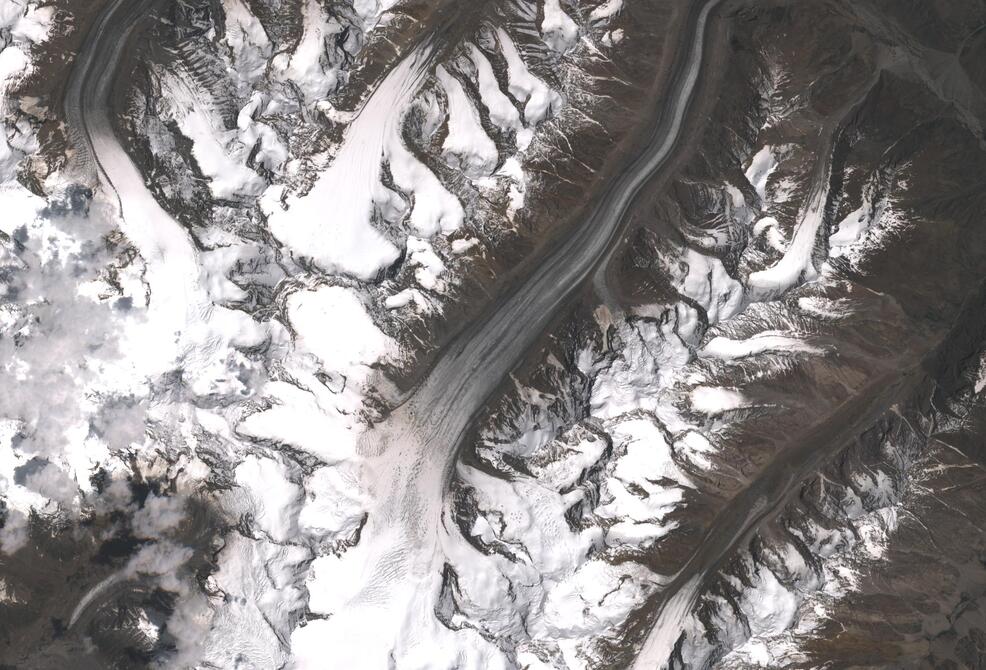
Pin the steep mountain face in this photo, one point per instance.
(518, 334)
(756, 426)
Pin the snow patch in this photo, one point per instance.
(317, 317)
(271, 152)
(332, 223)
(557, 28)
(705, 280)
(775, 236)
(467, 146)
(762, 165)
(539, 99)
(309, 67)
(768, 341)
(218, 152)
(275, 498)
(796, 264)
(430, 266)
(318, 410)
(249, 46)
(502, 112)
(605, 11)
(716, 400)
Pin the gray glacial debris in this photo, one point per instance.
(417, 444)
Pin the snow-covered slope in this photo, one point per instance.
(213, 316)
(221, 292)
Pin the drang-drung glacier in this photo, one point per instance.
(492, 334)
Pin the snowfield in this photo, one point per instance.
(204, 363)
